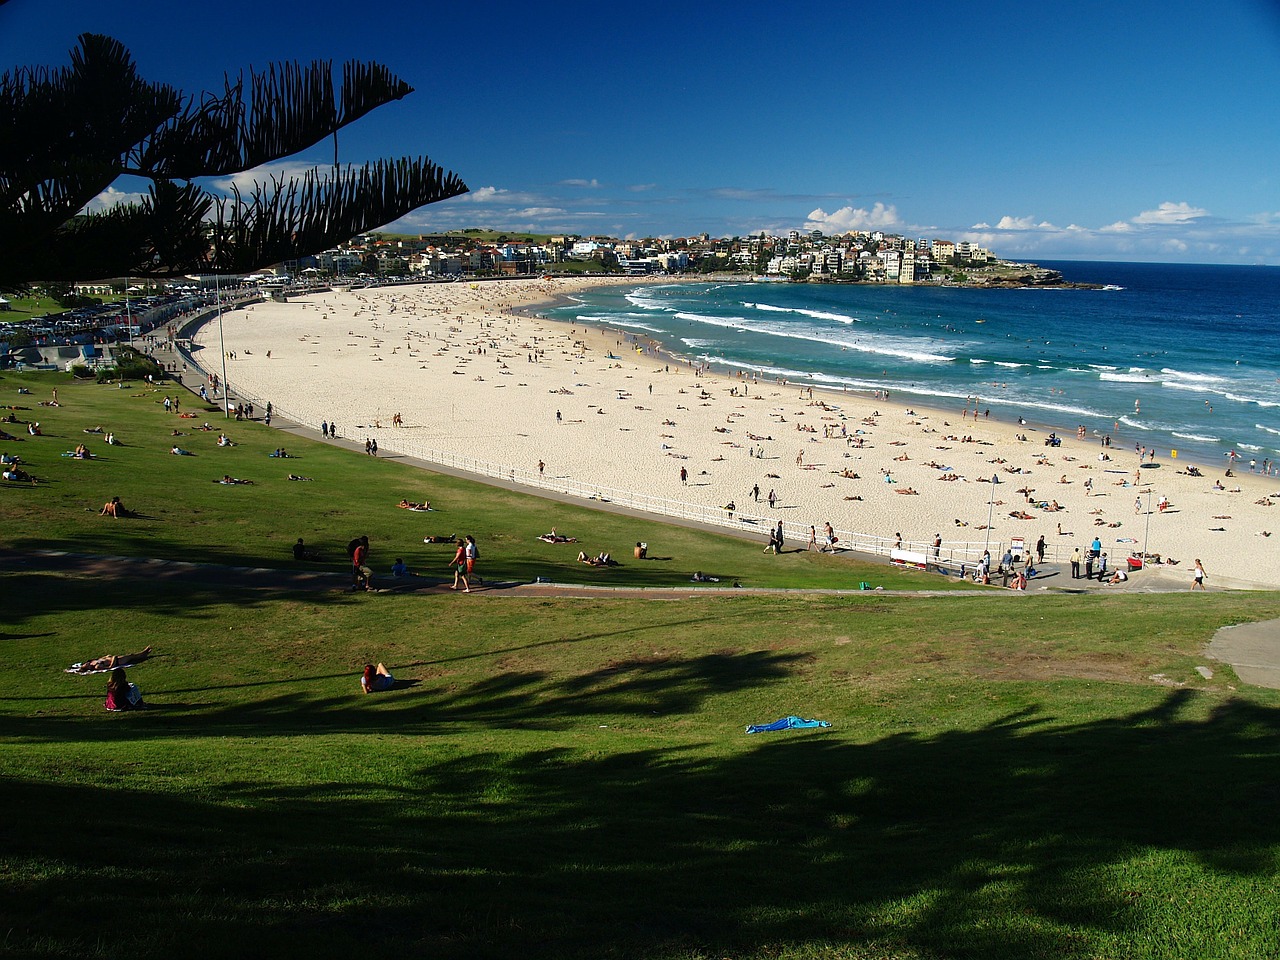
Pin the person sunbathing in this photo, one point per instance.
(111, 661)
(413, 505)
(179, 452)
(554, 537)
(376, 679)
(228, 480)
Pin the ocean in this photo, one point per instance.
(1165, 356)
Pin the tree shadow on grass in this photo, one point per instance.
(1150, 834)
(639, 689)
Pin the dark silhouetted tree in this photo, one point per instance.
(69, 133)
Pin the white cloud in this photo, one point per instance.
(111, 197)
(486, 194)
(283, 170)
(593, 183)
(853, 218)
(539, 212)
(1171, 213)
(1120, 226)
(1023, 223)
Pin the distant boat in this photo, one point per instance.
(980, 320)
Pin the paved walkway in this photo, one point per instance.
(1252, 650)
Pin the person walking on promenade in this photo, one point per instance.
(472, 554)
(1075, 564)
(459, 564)
(1198, 576)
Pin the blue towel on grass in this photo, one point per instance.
(786, 723)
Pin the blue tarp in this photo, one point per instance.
(786, 723)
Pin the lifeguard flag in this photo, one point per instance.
(1173, 454)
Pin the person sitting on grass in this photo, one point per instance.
(114, 508)
(121, 694)
(376, 679)
(400, 568)
(300, 552)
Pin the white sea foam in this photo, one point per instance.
(1126, 378)
(1008, 363)
(1202, 377)
(815, 314)
(1267, 429)
(618, 320)
(1248, 446)
(1262, 403)
(905, 347)
(645, 302)
(1199, 438)
(975, 361)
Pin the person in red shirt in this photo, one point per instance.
(361, 572)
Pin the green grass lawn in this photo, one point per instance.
(571, 778)
(186, 515)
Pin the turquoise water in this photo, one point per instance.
(1167, 356)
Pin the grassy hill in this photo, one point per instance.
(1004, 777)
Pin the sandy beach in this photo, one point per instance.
(474, 378)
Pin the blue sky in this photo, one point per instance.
(1124, 131)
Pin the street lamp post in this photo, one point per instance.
(1146, 533)
(128, 313)
(222, 346)
(991, 503)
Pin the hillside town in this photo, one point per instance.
(123, 308)
(872, 257)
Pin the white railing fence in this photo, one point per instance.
(952, 555)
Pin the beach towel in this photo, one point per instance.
(786, 723)
(75, 668)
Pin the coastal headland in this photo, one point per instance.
(457, 372)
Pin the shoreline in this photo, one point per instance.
(458, 362)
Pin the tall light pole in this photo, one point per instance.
(222, 346)
(1146, 533)
(991, 504)
(128, 313)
